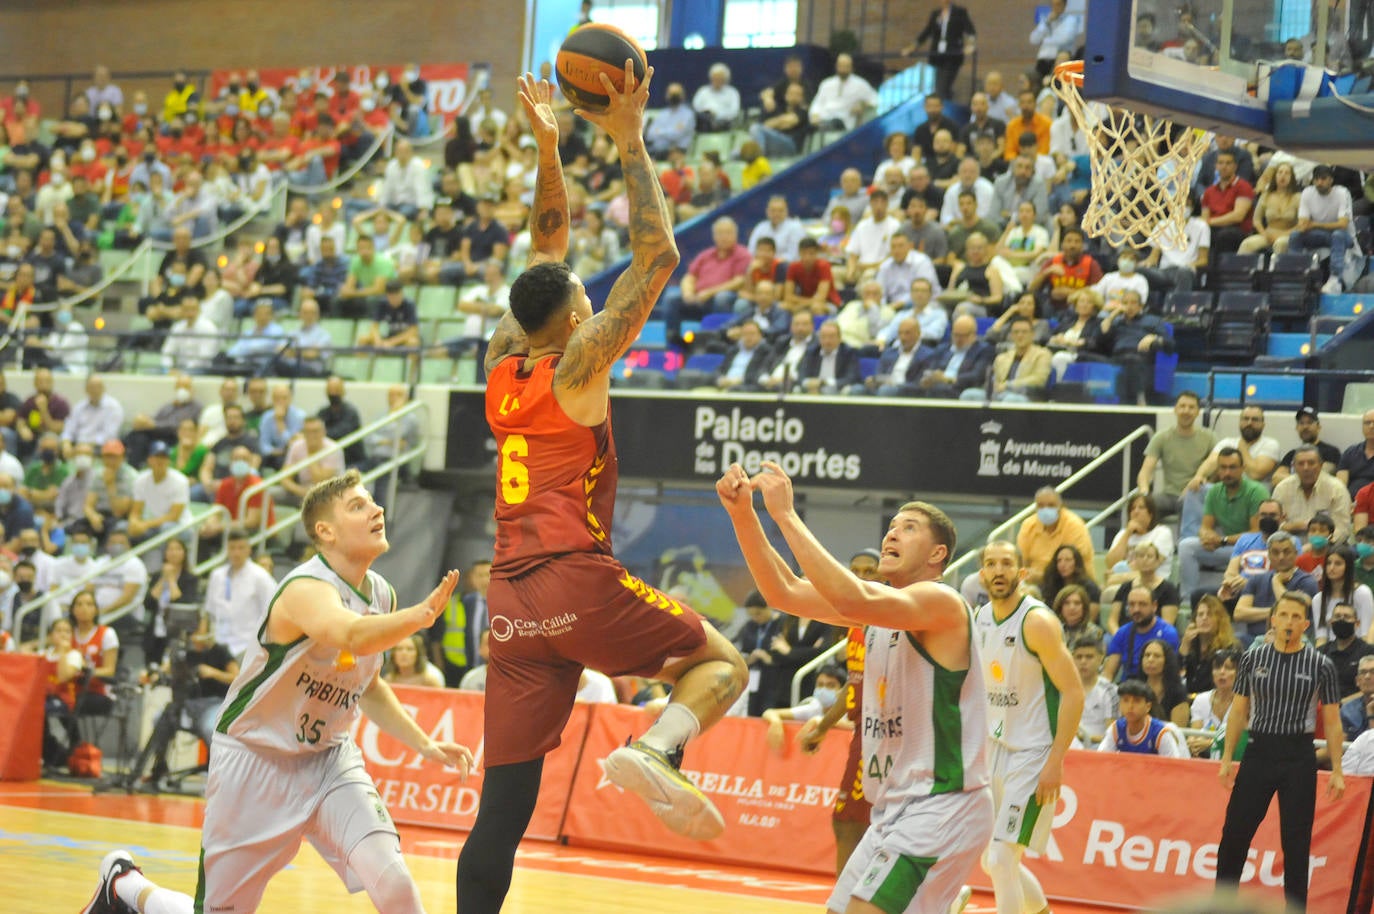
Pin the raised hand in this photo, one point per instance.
(776, 488)
(734, 489)
(434, 604)
(623, 118)
(536, 95)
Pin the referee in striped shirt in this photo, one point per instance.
(1278, 686)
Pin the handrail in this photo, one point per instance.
(224, 231)
(1068, 483)
(288, 518)
(343, 177)
(815, 663)
(263, 485)
(106, 281)
(100, 568)
(434, 138)
(1121, 446)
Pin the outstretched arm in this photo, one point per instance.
(549, 218)
(776, 581)
(921, 606)
(598, 342)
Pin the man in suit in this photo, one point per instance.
(1131, 337)
(757, 641)
(746, 363)
(961, 363)
(1020, 374)
(830, 366)
(950, 33)
(900, 365)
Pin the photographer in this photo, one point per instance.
(199, 671)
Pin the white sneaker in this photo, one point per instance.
(1333, 286)
(961, 901)
(115, 864)
(654, 777)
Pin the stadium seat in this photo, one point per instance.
(353, 367)
(1093, 382)
(1240, 326)
(1237, 272)
(1294, 285)
(391, 369)
(653, 336)
(711, 323)
(340, 329)
(868, 368)
(1358, 398)
(436, 301)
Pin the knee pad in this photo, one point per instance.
(378, 863)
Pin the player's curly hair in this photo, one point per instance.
(539, 293)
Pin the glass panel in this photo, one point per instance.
(639, 18)
(760, 24)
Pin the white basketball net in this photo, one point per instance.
(1142, 166)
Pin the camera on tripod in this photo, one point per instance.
(182, 676)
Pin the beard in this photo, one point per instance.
(1250, 434)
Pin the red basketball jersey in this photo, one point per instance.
(854, 651)
(555, 479)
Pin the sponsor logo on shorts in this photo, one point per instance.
(1013, 817)
(504, 629)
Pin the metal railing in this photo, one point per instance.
(951, 577)
(393, 465)
(99, 569)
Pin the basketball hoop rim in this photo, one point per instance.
(1070, 71)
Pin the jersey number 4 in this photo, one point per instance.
(514, 475)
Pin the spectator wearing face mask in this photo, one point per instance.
(242, 475)
(672, 128)
(830, 682)
(1122, 278)
(162, 425)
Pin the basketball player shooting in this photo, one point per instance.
(559, 601)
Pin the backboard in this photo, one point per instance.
(1208, 63)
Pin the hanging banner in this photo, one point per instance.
(859, 443)
(448, 84)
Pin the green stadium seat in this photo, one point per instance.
(352, 367)
(340, 329)
(436, 301)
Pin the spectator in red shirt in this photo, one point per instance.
(21, 93)
(304, 119)
(1227, 205)
(810, 284)
(280, 147)
(677, 179)
(317, 157)
(1066, 272)
(242, 474)
(713, 278)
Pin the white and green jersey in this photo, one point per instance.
(1023, 704)
(923, 725)
(304, 696)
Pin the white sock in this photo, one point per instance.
(674, 727)
(165, 901)
(162, 901)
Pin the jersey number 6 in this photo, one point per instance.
(514, 475)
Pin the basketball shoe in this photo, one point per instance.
(115, 864)
(654, 777)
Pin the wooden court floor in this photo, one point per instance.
(52, 837)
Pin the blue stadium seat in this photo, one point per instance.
(713, 322)
(868, 368)
(653, 336)
(1097, 378)
(708, 362)
(1346, 305)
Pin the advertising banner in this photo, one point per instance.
(23, 683)
(449, 84)
(1131, 830)
(776, 804)
(419, 792)
(861, 443)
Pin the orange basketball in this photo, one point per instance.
(592, 49)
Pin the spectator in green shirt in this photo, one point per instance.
(1231, 508)
(365, 286)
(44, 475)
(194, 460)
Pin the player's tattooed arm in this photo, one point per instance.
(549, 219)
(507, 339)
(603, 339)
